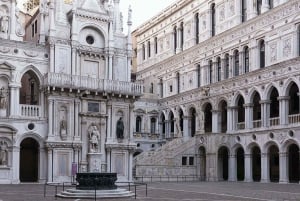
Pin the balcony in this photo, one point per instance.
(92, 84)
(30, 111)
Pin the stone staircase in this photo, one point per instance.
(166, 160)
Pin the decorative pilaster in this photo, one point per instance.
(50, 119)
(13, 20)
(186, 127)
(50, 165)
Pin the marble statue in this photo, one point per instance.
(94, 136)
(120, 128)
(3, 155)
(3, 98)
(4, 24)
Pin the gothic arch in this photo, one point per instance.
(287, 85)
(251, 94)
(33, 69)
(236, 97)
(268, 90)
(221, 100)
(235, 147)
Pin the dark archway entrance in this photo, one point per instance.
(223, 163)
(256, 164)
(202, 157)
(29, 158)
(274, 163)
(240, 161)
(293, 156)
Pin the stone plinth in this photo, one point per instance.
(94, 161)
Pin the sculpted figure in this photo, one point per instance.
(4, 24)
(94, 136)
(3, 101)
(3, 155)
(120, 129)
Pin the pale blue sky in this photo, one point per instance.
(142, 10)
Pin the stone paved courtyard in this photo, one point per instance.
(185, 191)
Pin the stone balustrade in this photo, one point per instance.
(93, 84)
(32, 111)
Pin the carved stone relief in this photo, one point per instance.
(287, 47)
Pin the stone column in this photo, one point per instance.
(234, 112)
(283, 109)
(76, 120)
(216, 128)
(131, 124)
(14, 95)
(50, 165)
(248, 115)
(50, 119)
(265, 6)
(283, 167)
(110, 67)
(223, 70)
(16, 165)
(265, 115)
(130, 165)
(108, 122)
(241, 62)
(230, 120)
(231, 66)
(42, 36)
(186, 130)
(12, 24)
(265, 177)
(251, 9)
(248, 168)
(232, 168)
(52, 56)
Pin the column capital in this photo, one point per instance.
(283, 98)
(265, 102)
(248, 105)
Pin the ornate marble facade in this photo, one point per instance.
(221, 86)
(64, 84)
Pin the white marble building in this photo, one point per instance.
(221, 89)
(64, 84)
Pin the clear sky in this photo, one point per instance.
(142, 10)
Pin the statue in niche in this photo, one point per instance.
(94, 137)
(4, 24)
(178, 129)
(63, 129)
(3, 154)
(3, 98)
(19, 29)
(120, 129)
(201, 120)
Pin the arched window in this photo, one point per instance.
(153, 125)
(138, 124)
(226, 66)
(244, 10)
(161, 85)
(262, 54)
(236, 63)
(144, 52)
(29, 92)
(199, 75)
(178, 82)
(210, 71)
(219, 68)
(181, 35)
(175, 38)
(197, 27)
(149, 49)
(271, 4)
(246, 59)
(213, 20)
(258, 6)
(151, 88)
(155, 45)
